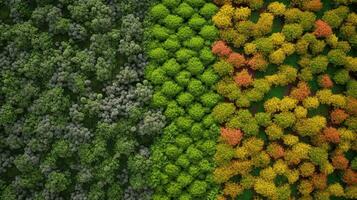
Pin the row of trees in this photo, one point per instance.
(306, 137)
(75, 118)
(181, 72)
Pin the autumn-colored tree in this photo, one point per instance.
(277, 8)
(338, 116)
(221, 49)
(223, 18)
(277, 57)
(258, 62)
(325, 81)
(319, 181)
(243, 78)
(310, 126)
(236, 59)
(351, 106)
(307, 169)
(232, 189)
(301, 91)
(275, 151)
(264, 25)
(339, 161)
(231, 136)
(312, 5)
(331, 135)
(350, 177)
(242, 13)
(322, 29)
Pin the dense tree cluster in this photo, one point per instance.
(75, 118)
(300, 143)
(183, 77)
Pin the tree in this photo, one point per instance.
(275, 151)
(208, 10)
(284, 119)
(322, 29)
(242, 13)
(198, 188)
(331, 135)
(57, 182)
(307, 169)
(312, 5)
(223, 111)
(319, 181)
(237, 60)
(292, 31)
(272, 105)
(264, 25)
(341, 77)
(338, 116)
(318, 155)
(277, 57)
(223, 18)
(243, 78)
(232, 189)
(221, 49)
(325, 81)
(318, 64)
(337, 57)
(339, 161)
(274, 131)
(209, 32)
(231, 136)
(184, 10)
(172, 21)
(184, 33)
(250, 48)
(350, 177)
(257, 62)
(310, 126)
(159, 11)
(277, 8)
(223, 68)
(352, 88)
(311, 103)
(195, 43)
(265, 188)
(300, 92)
(195, 66)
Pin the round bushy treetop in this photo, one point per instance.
(183, 78)
(171, 67)
(208, 10)
(159, 32)
(196, 22)
(195, 66)
(209, 32)
(159, 11)
(185, 10)
(341, 77)
(337, 57)
(352, 88)
(172, 21)
(195, 43)
(172, 44)
(171, 4)
(209, 77)
(159, 54)
(196, 88)
(318, 64)
(223, 111)
(170, 89)
(292, 31)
